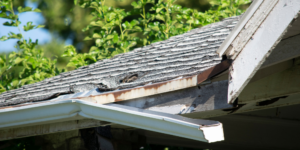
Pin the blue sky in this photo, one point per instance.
(41, 34)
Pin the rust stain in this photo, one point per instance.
(152, 89)
(147, 90)
(158, 88)
(213, 71)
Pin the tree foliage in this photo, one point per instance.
(29, 64)
(114, 34)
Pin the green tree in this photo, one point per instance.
(28, 65)
(118, 31)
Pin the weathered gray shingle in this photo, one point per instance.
(183, 55)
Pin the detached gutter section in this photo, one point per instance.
(201, 130)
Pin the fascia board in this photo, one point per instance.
(201, 130)
(240, 25)
(149, 90)
(260, 46)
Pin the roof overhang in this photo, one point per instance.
(67, 110)
(150, 89)
(254, 38)
(234, 33)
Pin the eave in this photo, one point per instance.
(151, 89)
(67, 110)
(254, 40)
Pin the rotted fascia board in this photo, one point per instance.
(262, 42)
(245, 33)
(209, 97)
(201, 130)
(154, 89)
(240, 25)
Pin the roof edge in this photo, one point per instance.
(142, 91)
(234, 33)
(158, 88)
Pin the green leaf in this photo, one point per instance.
(75, 2)
(28, 26)
(2, 60)
(18, 60)
(11, 55)
(14, 36)
(126, 25)
(69, 52)
(136, 5)
(3, 38)
(97, 35)
(160, 17)
(179, 25)
(155, 28)
(98, 23)
(108, 26)
(116, 38)
(111, 16)
(12, 23)
(190, 21)
(137, 28)
(109, 37)
(40, 26)
(94, 50)
(2, 89)
(10, 16)
(133, 23)
(99, 42)
(132, 44)
(159, 9)
(21, 9)
(87, 38)
(94, 4)
(37, 10)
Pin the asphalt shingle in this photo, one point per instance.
(183, 55)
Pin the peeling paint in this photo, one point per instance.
(98, 97)
(143, 91)
(158, 88)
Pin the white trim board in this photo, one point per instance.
(240, 25)
(260, 45)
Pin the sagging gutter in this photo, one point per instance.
(157, 88)
(54, 111)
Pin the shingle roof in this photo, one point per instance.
(183, 55)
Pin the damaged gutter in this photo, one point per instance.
(58, 111)
(153, 89)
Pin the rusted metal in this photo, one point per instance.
(213, 71)
(146, 90)
(158, 88)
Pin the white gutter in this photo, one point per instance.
(240, 25)
(201, 130)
